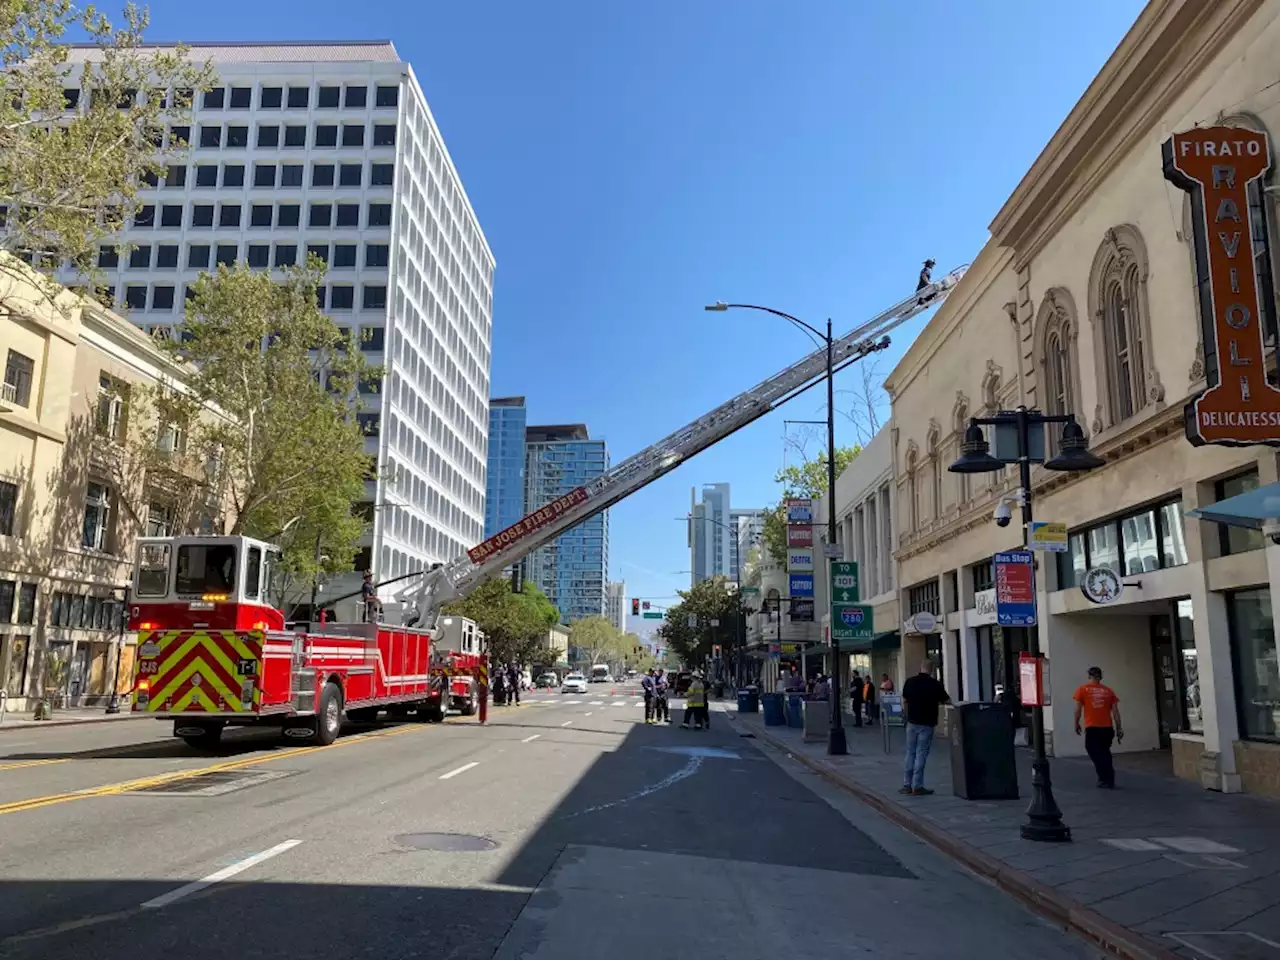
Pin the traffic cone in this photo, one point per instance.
(613, 693)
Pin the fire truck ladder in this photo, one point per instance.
(458, 577)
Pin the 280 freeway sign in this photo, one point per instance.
(852, 621)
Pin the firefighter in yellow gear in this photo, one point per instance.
(695, 705)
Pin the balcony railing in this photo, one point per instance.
(8, 397)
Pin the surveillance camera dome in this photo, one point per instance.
(1003, 515)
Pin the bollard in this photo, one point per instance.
(484, 688)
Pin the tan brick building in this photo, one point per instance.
(1085, 300)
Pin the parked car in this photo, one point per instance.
(574, 683)
(548, 681)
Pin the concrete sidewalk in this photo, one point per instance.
(69, 717)
(1158, 868)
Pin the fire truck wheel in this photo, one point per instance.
(328, 715)
(432, 713)
(206, 739)
(469, 705)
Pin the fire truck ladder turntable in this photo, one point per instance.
(458, 577)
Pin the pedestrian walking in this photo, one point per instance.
(855, 697)
(922, 695)
(513, 682)
(1099, 707)
(647, 684)
(869, 694)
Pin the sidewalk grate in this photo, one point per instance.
(215, 784)
(1228, 945)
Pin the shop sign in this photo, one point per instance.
(922, 622)
(984, 603)
(801, 584)
(802, 611)
(1048, 536)
(1015, 588)
(800, 511)
(800, 559)
(1219, 166)
(799, 537)
(1101, 585)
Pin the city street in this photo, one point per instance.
(565, 828)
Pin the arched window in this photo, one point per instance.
(935, 474)
(913, 492)
(1122, 328)
(1056, 330)
(961, 422)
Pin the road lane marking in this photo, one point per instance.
(566, 723)
(225, 873)
(572, 703)
(596, 703)
(19, 764)
(531, 739)
(462, 769)
(619, 703)
(587, 714)
(126, 786)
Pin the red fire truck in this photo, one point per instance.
(213, 652)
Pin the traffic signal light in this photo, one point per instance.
(635, 608)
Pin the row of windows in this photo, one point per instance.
(353, 96)
(170, 215)
(337, 256)
(337, 296)
(1149, 539)
(277, 175)
(236, 136)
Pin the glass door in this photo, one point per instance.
(1164, 668)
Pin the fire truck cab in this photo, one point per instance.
(214, 652)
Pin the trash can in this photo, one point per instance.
(983, 764)
(748, 700)
(795, 710)
(817, 720)
(775, 714)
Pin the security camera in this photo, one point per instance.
(1271, 528)
(1003, 515)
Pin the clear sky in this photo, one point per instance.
(632, 161)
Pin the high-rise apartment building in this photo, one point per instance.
(571, 570)
(331, 149)
(504, 491)
(711, 536)
(748, 528)
(615, 604)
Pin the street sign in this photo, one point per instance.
(653, 615)
(1015, 575)
(802, 610)
(832, 551)
(800, 559)
(800, 511)
(1047, 536)
(715, 623)
(852, 621)
(844, 582)
(801, 584)
(799, 537)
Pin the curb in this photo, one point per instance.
(45, 724)
(1108, 936)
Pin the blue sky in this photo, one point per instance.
(632, 161)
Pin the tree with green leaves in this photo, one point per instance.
(805, 479)
(597, 640)
(709, 600)
(70, 171)
(515, 625)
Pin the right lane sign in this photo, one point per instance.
(852, 621)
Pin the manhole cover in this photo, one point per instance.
(215, 784)
(447, 842)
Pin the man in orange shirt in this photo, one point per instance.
(1100, 707)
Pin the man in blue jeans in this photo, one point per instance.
(922, 695)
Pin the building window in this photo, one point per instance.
(159, 519)
(108, 257)
(376, 254)
(145, 217)
(318, 250)
(264, 175)
(288, 215)
(1142, 541)
(202, 215)
(8, 508)
(269, 135)
(327, 98)
(233, 175)
(350, 175)
(913, 492)
(229, 215)
(171, 215)
(326, 135)
(112, 401)
(381, 174)
(286, 254)
(179, 137)
(19, 371)
(1253, 644)
(295, 136)
(270, 98)
(353, 134)
(320, 215)
(210, 137)
(291, 175)
(357, 97)
(322, 175)
(258, 255)
(962, 479)
(214, 99)
(388, 96)
(924, 598)
(237, 137)
(226, 253)
(206, 175)
(167, 256)
(135, 297)
(1233, 539)
(1119, 306)
(341, 297)
(299, 97)
(198, 256)
(97, 513)
(241, 98)
(260, 215)
(162, 297)
(8, 594)
(384, 135)
(347, 215)
(371, 338)
(344, 255)
(140, 257)
(26, 604)
(935, 475)
(374, 298)
(379, 215)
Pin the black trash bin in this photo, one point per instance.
(983, 765)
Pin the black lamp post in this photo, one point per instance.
(1044, 819)
(113, 704)
(837, 745)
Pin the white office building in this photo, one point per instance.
(615, 604)
(330, 148)
(748, 528)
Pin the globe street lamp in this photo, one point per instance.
(1044, 819)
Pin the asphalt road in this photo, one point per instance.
(566, 828)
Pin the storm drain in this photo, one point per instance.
(446, 842)
(215, 784)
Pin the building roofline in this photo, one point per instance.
(198, 44)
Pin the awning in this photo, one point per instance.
(1250, 509)
(889, 640)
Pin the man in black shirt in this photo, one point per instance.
(922, 695)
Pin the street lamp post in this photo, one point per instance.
(1044, 818)
(113, 704)
(837, 745)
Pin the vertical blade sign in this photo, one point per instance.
(1218, 167)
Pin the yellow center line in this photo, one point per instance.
(126, 786)
(18, 764)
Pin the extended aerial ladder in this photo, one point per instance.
(458, 577)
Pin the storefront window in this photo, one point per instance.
(1237, 539)
(1072, 563)
(1257, 672)
(1104, 548)
(1138, 534)
(1193, 709)
(1173, 535)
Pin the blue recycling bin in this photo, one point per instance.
(748, 700)
(795, 710)
(775, 714)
